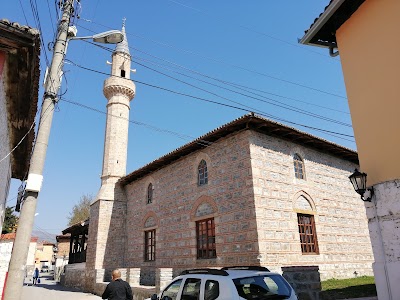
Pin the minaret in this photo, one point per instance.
(106, 243)
(119, 91)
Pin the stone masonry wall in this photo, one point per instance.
(74, 276)
(326, 193)
(305, 281)
(254, 199)
(178, 202)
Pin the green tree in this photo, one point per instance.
(81, 210)
(10, 221)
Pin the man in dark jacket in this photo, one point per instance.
(117, 289)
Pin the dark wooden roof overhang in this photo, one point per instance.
(21, 85)
(247, 122)
(322, 32)
(78, 228)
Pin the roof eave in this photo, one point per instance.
(312, 32)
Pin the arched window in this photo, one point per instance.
(203, 174)
(299, 170)
(150, 193)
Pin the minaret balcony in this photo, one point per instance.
(117, 86)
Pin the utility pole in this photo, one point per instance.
(16, 271)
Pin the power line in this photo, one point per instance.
(23, 11)
(254, 72)
(19, 143)
(179, 135)
(281, 105)
(232, 84)
(235, 85)
(253, 30)
(336, 134)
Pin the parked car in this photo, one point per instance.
(44, 269)
(231, 283)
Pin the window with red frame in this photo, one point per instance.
(206, 239)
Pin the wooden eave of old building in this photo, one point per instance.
(77, 228)
(246, 122)
(21, 85)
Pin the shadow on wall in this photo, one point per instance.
(114, 254)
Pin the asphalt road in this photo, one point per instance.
(50, 290)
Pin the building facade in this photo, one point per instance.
(247, 199)
(364, 33)
(19, 77)
(252, 192)
(6, 245)
(45, 256)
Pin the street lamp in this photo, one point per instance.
(359, 182)
(16, 274)
(107, 37)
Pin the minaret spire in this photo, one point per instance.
(123, 46)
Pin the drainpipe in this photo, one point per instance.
(331, 51)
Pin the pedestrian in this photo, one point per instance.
(117, 289)
(35, 276)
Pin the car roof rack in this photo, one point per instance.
(251, 268)
(205, 271)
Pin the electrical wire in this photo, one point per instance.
(235, 85)
(253, 30)
(255, 72)
(336, 134)
(281, 105)
(19, 143)
(284, 106)
(51, 17)
(232, 84)
(154, 128)
(23, 11)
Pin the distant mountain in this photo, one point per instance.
(44, 236)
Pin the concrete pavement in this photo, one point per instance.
(50, 290)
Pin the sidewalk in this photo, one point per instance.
(50, 290)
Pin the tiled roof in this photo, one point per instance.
(11, 236)
(316, 19)
(246, 122)
(63, 237)
(322, 31)
(82, 225)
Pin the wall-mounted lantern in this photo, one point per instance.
(359, 182)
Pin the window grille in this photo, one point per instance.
(299, 170)
(202, 173)
(150, 193)
(206, 247)
(150, 245)
(308, 234)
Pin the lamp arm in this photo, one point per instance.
(367, 196)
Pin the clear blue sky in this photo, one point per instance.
(251, 43)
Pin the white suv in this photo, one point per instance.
(231, 283)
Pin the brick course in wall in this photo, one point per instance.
(254, 197)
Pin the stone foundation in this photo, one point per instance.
(305, 281)
(74, 276)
